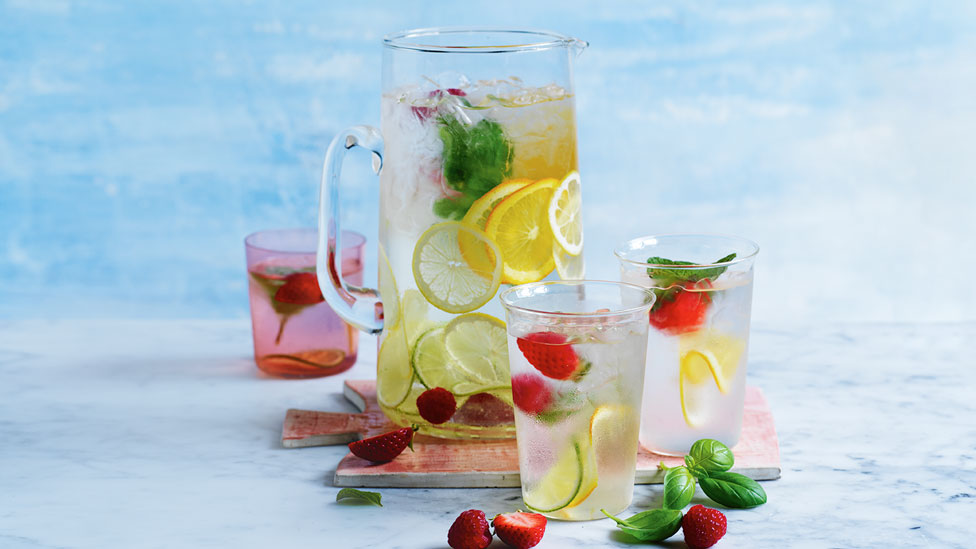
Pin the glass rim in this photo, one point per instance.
(508, 302)
(358, 240)
(638, 242)
(544, 40)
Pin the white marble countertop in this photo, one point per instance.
(161, 434)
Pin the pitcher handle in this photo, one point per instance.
(358, 306)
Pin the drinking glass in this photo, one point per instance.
(296, 333)
(698, 344)
(576, 350)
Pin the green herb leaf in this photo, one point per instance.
(709, 455)
(679, 488)
(361, 496)
(655, 525)
(476, 159)
(733, 490)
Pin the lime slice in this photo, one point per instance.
(566, 216)
(567, 483)
(394, 376)
(519, 225)
(478, 344)
(449, 280)
(388, 291)
(432, 364)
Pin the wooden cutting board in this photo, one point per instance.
(442, 463)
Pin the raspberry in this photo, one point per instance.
(703, 527)
(469, 531)
(436, 405)
(530, 393)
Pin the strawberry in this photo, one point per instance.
(520, 530)
(683, 311)
(300, 288)
(530, 393)
(436, 405)
(551, 354)
(423, 113)
(385, 447)
(469, 531)
(703, 527)
(485, 410)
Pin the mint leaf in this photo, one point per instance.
(361, 496)
(668, 277)
(655, 525)
(733, 490)
(709, 455)
(476, 159)
(679, 488)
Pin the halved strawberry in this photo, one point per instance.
(300, 288)
(682, 309)
(385, 447)
(551, 354)
(520, 530)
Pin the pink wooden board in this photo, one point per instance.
(441, 463)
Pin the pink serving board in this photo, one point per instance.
(441, 463)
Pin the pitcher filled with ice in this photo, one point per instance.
(479, 190)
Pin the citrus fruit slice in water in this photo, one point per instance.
(519, 225)
(449, 280)
(394, 376)
(566, 215)
(706, 355)
(567, 483)
(388, 291)
(478, 345)
(432, 364)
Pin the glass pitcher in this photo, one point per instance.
(478, 190)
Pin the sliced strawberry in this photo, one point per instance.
(385, 447)
(484, 410)
(684, 310)
(300, 289)
(436, 405)
(551, 354)
(530, 393)
(520, 530)
(423, 113)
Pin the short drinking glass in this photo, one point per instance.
(698, 343)
(296, 333)
(576, 350)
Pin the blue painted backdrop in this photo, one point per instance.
(139, 142)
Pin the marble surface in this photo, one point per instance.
(151, 434)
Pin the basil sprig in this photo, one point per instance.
(655, 525)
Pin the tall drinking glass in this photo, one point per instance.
(577, 362)
(699, 339)
(478, 189)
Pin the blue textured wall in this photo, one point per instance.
(139, 142)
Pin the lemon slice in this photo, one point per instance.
(519, 225)
(388, 292)
(613, 436)
(414, 310)
(432, 364)
(566, 215)
(394, 376)
(478, 345)
(471, 248)
(450, 281)
(705, 355)
(569, 267)
(567, 483)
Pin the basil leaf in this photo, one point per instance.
(709, 455)
(679, 488)
(360, 496)
(656, 525)
(733, 490)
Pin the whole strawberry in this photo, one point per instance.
(530, 393)
(551, 354)
(385, 447)
(469, 531)
(703, 527)
(300, 288)
(436, 405)
(520, 530)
